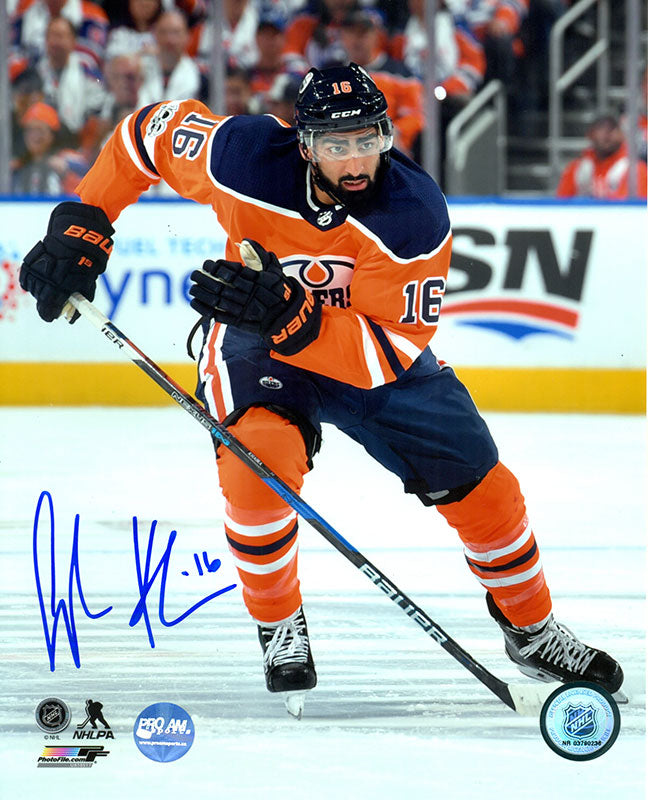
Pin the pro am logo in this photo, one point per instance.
(535, 289)
(328, 276)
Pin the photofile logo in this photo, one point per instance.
(85, 756)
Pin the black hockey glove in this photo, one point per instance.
(267, 303)
(69, 259)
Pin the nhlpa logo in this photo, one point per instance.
(580, 721)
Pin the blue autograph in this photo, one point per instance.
(64, 608)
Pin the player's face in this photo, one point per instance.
(348, 163)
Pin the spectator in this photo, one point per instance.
(315, 35)
(496, 24)
(460, 62)
(71, 81)
(601, 171)
(30, 21)
(26, 89)
(238, 91)
(43, 170)
(460, 59)
(134, 32)
(171, 74)
(271, 61)
(280, 99)
(124, 79)
(361, 35)
(239, 32)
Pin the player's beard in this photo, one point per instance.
(358, 200)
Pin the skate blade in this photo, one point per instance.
(620, 696)
(295, 703)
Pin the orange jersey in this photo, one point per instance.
(604, 178)
(380, 273)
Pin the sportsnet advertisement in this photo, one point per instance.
(532, 286)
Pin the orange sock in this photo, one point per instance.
(261, 528)
(500, 547)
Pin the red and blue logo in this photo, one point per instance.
(514, 317)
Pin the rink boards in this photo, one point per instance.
(544, 310)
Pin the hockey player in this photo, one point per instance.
(354, 242)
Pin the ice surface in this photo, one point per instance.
(393, 715)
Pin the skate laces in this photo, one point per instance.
(560, 647)
(289, 643)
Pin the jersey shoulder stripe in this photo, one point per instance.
(410, 216)
(139, 139)
(269, 152)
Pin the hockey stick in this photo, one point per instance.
(526, 699)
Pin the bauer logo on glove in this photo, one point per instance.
(69, 259)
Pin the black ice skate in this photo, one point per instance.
(288, 661)
(553, 653)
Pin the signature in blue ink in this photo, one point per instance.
(63, 609)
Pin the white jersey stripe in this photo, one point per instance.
(371, 355)
(492, 555)
(259, 530)
(211, 354)
(245, 198)
(403, 344)
(513, 579)
(382, 246)
(132, 152)
(223, 371)
(266, 569)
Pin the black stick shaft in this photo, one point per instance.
(220, 433)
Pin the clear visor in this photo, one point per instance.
(330, 146)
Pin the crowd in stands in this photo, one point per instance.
(78, 67)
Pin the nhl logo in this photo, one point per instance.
(52, 715)
(324, 218)
(580, 721)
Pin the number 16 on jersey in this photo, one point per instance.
(423, 301)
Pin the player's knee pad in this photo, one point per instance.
(492, 508)
(311, 435)
(279, 443)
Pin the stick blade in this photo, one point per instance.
(528, 698)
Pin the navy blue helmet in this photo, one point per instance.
(340, 99)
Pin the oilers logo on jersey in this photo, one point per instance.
(327, 277)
